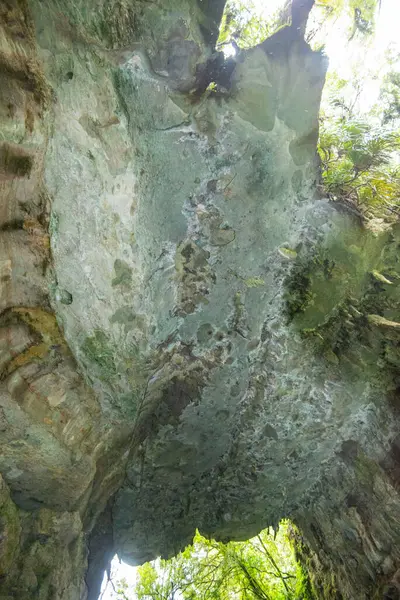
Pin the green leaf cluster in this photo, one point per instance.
(359, 157)
(358, 14)
(243, 25)
(390, 90)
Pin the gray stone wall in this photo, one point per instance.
(190, 335)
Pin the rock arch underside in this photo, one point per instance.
(190, 335)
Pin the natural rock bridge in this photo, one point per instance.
(191, 336)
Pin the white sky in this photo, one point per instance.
(387, 31)
(119, 570)
(363, 56)
(343, 56)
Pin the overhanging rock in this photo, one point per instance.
(226, 356)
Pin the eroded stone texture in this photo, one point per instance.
(237, 335)
(62, 452)
(60, 458)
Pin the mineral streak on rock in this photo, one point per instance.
(186, 329)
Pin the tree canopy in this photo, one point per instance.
(262, 568)
(246, 24)
(359, 153)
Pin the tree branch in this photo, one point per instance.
(270, 557)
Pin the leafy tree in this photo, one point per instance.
(244, 26)
(263, 568)
(390, 90)
(391, 95)
(359, 152)
(122, 589)
(358, 14)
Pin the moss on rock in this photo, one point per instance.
(10, 530)
(99, 352)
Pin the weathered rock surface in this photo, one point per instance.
(190, 336)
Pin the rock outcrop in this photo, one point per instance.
(190, 336)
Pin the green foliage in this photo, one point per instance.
(298, 295)
(390, 90)
(122, 589)
(262, 568)
(355, 17)
(303, 584)
(244, 25)
(97, 349)
(358, 156)
(359, 142)
(364, 14)
(253, 282)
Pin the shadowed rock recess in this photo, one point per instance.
(189, 335)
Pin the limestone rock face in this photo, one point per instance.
(190, 336)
